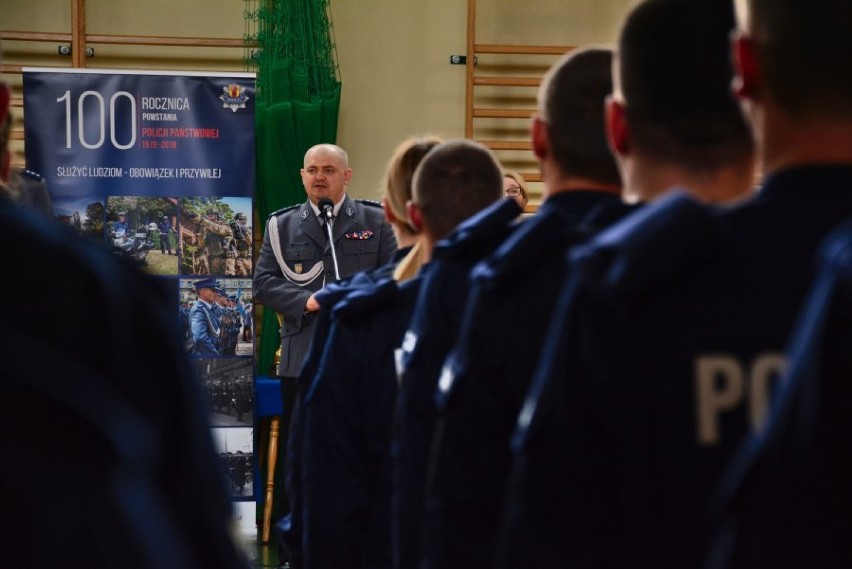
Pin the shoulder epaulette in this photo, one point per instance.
(30, 174)
(284, 210)
(371, 203)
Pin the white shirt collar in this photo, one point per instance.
(337, 206)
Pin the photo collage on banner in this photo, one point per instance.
(159, 167)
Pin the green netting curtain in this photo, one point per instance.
(298, 99)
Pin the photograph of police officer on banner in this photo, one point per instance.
(216, 317)
(142, 229)
(228, 390)
(216, 236)
(84, 215)
(234, 446)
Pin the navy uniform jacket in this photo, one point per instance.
(111, 463)
(657, 367)
(788, 495)
(295, 262)
(348, 414)
(291, 526)
(487, 375)
(430, 337)
(205, 324)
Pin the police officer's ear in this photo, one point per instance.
(415, 216)
(747, 75)
(540, 138)
(617, 130)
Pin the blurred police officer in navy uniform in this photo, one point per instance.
(430, 336)
(349, 409)
(512, 297)
(628, 422)
(788, 493)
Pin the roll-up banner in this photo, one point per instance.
(160, 167)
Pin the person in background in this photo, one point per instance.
(515, 187)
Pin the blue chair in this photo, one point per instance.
(269, 405)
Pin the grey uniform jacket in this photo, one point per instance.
(295, 261)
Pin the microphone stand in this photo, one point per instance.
(328, 222)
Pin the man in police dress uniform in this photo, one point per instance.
(662, 354)
(296, 259)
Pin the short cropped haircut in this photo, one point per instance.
(675, 72)
(571, 103)
(804, 48)
(400, 172)
(455, 180)
(330, 148)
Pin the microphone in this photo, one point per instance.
(326, 207)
